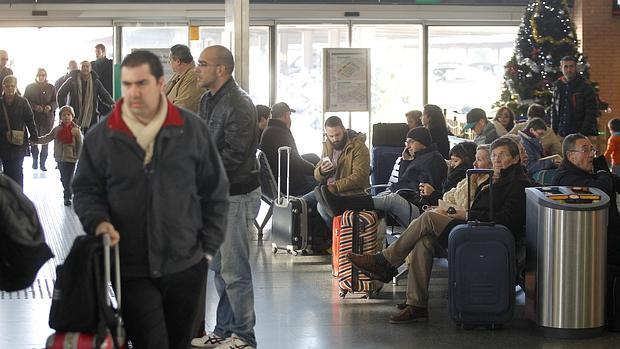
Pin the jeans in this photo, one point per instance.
(314, 204)
(396, 205)
(67, 169)
(233, 274)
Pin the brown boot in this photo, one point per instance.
(375, 266)
(410, 314)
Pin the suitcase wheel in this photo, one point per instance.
(293, 252)
(342, 294)
(274, 250)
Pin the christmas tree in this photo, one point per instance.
(546, 34)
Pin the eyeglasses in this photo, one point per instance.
(205, 64)
(584, 151)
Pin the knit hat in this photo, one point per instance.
(420, 134)
(473, 117)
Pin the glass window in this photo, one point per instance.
(52, 50)
(466, 66)
(300, 77)
(396, 68)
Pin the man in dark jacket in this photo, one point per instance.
(61, 80)
(578, 168)
(574, 105)
(103, 66)
(483, 129)
(278, 134)
(83, 91)
(231, 119)
(150, 175)
(16, 110)
(427, 236)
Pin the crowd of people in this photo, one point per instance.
(185, 149)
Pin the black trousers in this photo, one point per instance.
(34, 150)
(66, 175)
(159, 313)
(12, 165)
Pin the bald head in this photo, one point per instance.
(223, 56)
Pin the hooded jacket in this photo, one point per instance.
(353, 167)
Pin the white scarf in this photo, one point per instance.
(146, 134)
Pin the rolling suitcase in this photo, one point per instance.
(356, 231)
(482, 271)
(114, 337)
(289, 225)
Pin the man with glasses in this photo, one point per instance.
(580, 168)
(4, 70)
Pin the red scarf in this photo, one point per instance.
(65, 135)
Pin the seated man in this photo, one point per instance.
(422, 163)
(345, 164)
(427, 236)
(484, 129)
(278, 134)
(531, 136)
(551, 142)
(579, 168)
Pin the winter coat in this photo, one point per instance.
(581, 113)
(277, 135)
(170, 212)
(428, 166)
(439, 135)
(42, 94)
(104, 69)
(508, 201)
(67, 94)
(457, 196)
(64, 152)
(183, 91)
(231, 120)
(20, 118)
(551, 143)
(612, 154)
(534, 151)
(352, 168)
(488, 135)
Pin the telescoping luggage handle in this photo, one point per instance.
(288, 172)
(117, 280)
(480, 171)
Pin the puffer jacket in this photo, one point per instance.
(20, 118)
(582, 110)
(64, 152)
(353, 167)
(170, 212)
(231, 120)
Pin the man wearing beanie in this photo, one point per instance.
(485, 131)
(421, 163)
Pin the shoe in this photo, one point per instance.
(34, 165)
(401, 306)
(234, 342)
(372, 266)
(410, 314)
(67, 202)
(43, 168)
(210, 340)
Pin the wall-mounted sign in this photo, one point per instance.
(346, 79)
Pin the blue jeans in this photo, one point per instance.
(233, 275)
(314, 204)
(397, 206)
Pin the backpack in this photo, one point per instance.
(22, 244)
(80, 300)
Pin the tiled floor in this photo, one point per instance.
(297, 303)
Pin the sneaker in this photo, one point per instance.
(234, 342)
(210, 340)
(410, 314)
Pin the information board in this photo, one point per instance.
(346, 79)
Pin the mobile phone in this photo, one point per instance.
(327, 160)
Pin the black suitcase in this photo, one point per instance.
(289, 224)
(389, 134)
(482, 271)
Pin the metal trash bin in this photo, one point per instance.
(566, 232)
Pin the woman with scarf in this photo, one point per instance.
(42, 98)
(67, 144)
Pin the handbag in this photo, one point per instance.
(12, 136)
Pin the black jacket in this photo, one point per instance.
(508, 201)
(439, 135)
(276, 135)
(104, 68)
(581, 113)
(67, 94)
(428, 166)
(20, 117)
(42, 94)
(231, 120)
(170, 212)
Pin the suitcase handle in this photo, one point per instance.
(473, 171)
(288, 171)
(120, 334)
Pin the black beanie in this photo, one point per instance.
(420, 134)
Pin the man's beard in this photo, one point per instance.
(339, 145)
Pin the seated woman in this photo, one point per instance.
(427, 236)
(530, 136)
(504, 121)
(402, 210)
(462, 158)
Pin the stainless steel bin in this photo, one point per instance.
(566, 231)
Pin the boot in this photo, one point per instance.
(35, 160)
(43, 168)
(337, 204)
